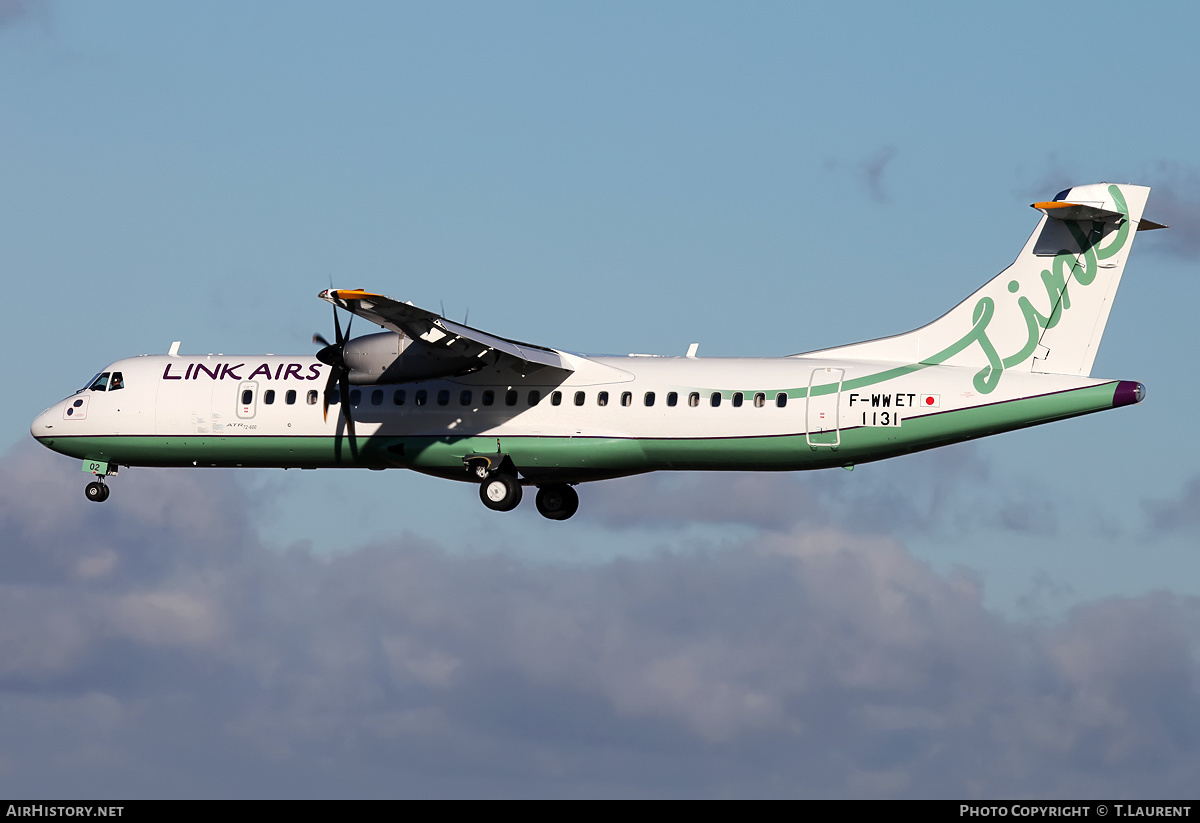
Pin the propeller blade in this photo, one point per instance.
(334, 355)
(329, 384)
(344, 388)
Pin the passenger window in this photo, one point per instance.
(355, 397)
(464, 398)
(335, 397)
(117, 383)
(535, 397)
(398, 397)
(627, 399)
(420, 397)
(672, 398)
(101, 383)
(444, 397)
(377, 397)
(781, 399)
(580, 397)
(737, 399)
(760, 400)
(694, 399)
(715, 399)
(312, 397)
(510, 397)
(247, 397)
(269, 396)
(556, 398)
(489, 397)
(290, 397)
(602, 399)
(649, 398)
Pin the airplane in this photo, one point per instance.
(449, 400)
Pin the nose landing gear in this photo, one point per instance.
(96, 491)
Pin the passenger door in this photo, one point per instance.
(824, 398)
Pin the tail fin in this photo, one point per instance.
(1044, 313)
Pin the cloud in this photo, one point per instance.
(871, 172)
(1180, 514)
(941, 491)
(192, 659)
(1175, 201)
(14, 12)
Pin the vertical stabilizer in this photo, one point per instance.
(1047, 311)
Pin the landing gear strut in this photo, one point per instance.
(557, 501)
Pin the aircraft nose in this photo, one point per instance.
(42, 427)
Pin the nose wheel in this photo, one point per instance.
(96, 491)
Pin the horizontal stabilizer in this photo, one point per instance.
(1075, 211)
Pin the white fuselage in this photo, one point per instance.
(609, 416)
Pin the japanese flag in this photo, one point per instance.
(931, 401)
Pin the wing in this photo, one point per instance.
(445, 337)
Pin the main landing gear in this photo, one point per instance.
(557, 501)
(501, 491)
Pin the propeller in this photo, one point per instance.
(334, 355)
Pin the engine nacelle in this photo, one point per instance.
(389, 357)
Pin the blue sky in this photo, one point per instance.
(603, 178)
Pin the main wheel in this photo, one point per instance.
(96, 492)
(557, 502)
(500, 492)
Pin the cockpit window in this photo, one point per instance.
(118, 382)
(100, 383)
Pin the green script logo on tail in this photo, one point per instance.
(1065, 267)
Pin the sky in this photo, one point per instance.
(1018, 616)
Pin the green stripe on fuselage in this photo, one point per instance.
(589, 457)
